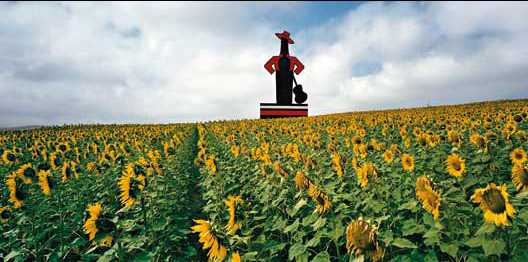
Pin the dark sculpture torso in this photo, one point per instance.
(284, 77)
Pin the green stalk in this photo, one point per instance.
(143, 209)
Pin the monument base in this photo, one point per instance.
(271, 110)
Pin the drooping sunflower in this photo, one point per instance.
(301, 182)
(9, 157)
(494, 202)
(98, 225)
(16, 195)
(209, 240)
(131, 186)
(45, 181)
(430, 199)
(455, 165)
(5, 214)
(518, 156)
(388, 156)
(231, 225)
(520, 177)
(361, 239)
(362, 176)
(27, 173)
(408, 162)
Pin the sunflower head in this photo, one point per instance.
(361, 239)
(430, 199)
(27, 173)
(45, 182)
(5, 214)
(388, 156)
(455, 165)
(408, 162)
(209, 240)
(518, 156)
(98, 226)
(131, 186)
(494, 202)
(9, 157)
(520, 177)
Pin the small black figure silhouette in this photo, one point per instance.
(300, 95)
(284, 67)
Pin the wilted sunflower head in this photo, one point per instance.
(518, 156)
(361, 239)
(494, 202)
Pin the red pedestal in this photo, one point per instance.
(271, 110)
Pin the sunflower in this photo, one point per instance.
(477, 140)
(98, 225)
(26, 173)
(520, 177)
(5, 214)
(336, 165)
(388, 156)
(430, 199)
(130, 185)
(235, 257)
(63, 147)
(231, 225)
(408, 162)
(45, 182)
(455, 165)
(54, 161)
(301, 182)
(209, 240)
(362, 173)
(69, 169)
(9, 157)
(494, 202)
(518, 156)
(16, 195)
(361, 239)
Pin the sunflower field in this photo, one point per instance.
(446, 183)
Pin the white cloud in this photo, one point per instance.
(180, 61)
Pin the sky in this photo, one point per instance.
(171, 62)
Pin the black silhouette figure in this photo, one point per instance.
(284, 68)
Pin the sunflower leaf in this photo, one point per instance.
(323, 256)
(403, 243)
(486, 228)
(451, 249)
(295, 250)
(493, 247)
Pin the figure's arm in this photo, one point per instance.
(295, 62)
(270, 63)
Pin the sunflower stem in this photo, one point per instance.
(144, 211)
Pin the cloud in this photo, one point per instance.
(108, 62)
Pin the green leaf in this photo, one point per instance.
(475, 242)
(295, 250)
(314, 241)
(486, 228)
(431, 257)
(249, 256)
(451, 249)
(292, 227)
(11, 255)
(319, 223)
(411, 205)
(298, 206)
(321, 257)
(143, 257)
(403, 243)
(493, 247)
(523, 214)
